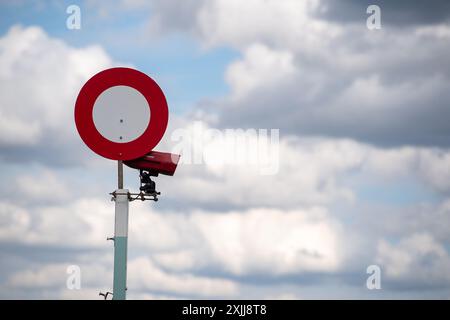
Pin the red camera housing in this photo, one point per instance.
(156, 162)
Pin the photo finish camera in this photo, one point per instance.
(155, 163)
(151, 165)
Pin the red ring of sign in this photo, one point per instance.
(121, 77)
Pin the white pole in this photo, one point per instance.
(120, 238)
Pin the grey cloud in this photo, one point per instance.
(40, 78)
(396, 13)
(391, 89)
(292, 106)
(423, 123)
(409, 66)
(181, 16)
(175, 15)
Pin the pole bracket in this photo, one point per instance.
(137, 196)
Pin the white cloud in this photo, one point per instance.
(265, 241)
(84, 222)
(435, 168)
(284, 296)
(182, 242)
(51, 275)
(257, 241)
(307, 173)
(178, 260)
(435, 31)
(82, 294)
(16, 132)
(312, 171)
(238, 24)
(260, 67)
(144, 274)
(295, 72)
(14, 221)
(55, 276)
(340, 74)
(418, 258)
(45, 185)
(144, 278)
(343, 80)
(431, 166)
(286, 235)
(40, 78)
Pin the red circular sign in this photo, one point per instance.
(84, 113)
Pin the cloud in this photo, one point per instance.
(240, 24)
(45, 186)
(310, 171)
(398, 222)
(335, 90)
(145, 275)
(429, 166)
(257, 70)
(266, 241)
(311, 76)
(415, 260)
(254, 232)
(400, 12)
(15, 132)
(96, 274)
(311, 165)
(169, 16)
(256, 242)
(55, 276)
(14, 221)
(263, 241)
(81, 223)
(339, 93)
(40, 78)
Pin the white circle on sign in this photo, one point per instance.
(121, 114)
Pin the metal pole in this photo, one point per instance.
(120, 238)
(119, 174)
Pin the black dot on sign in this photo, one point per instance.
(121, 120)
(120, 137)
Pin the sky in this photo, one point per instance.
(347, 166)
